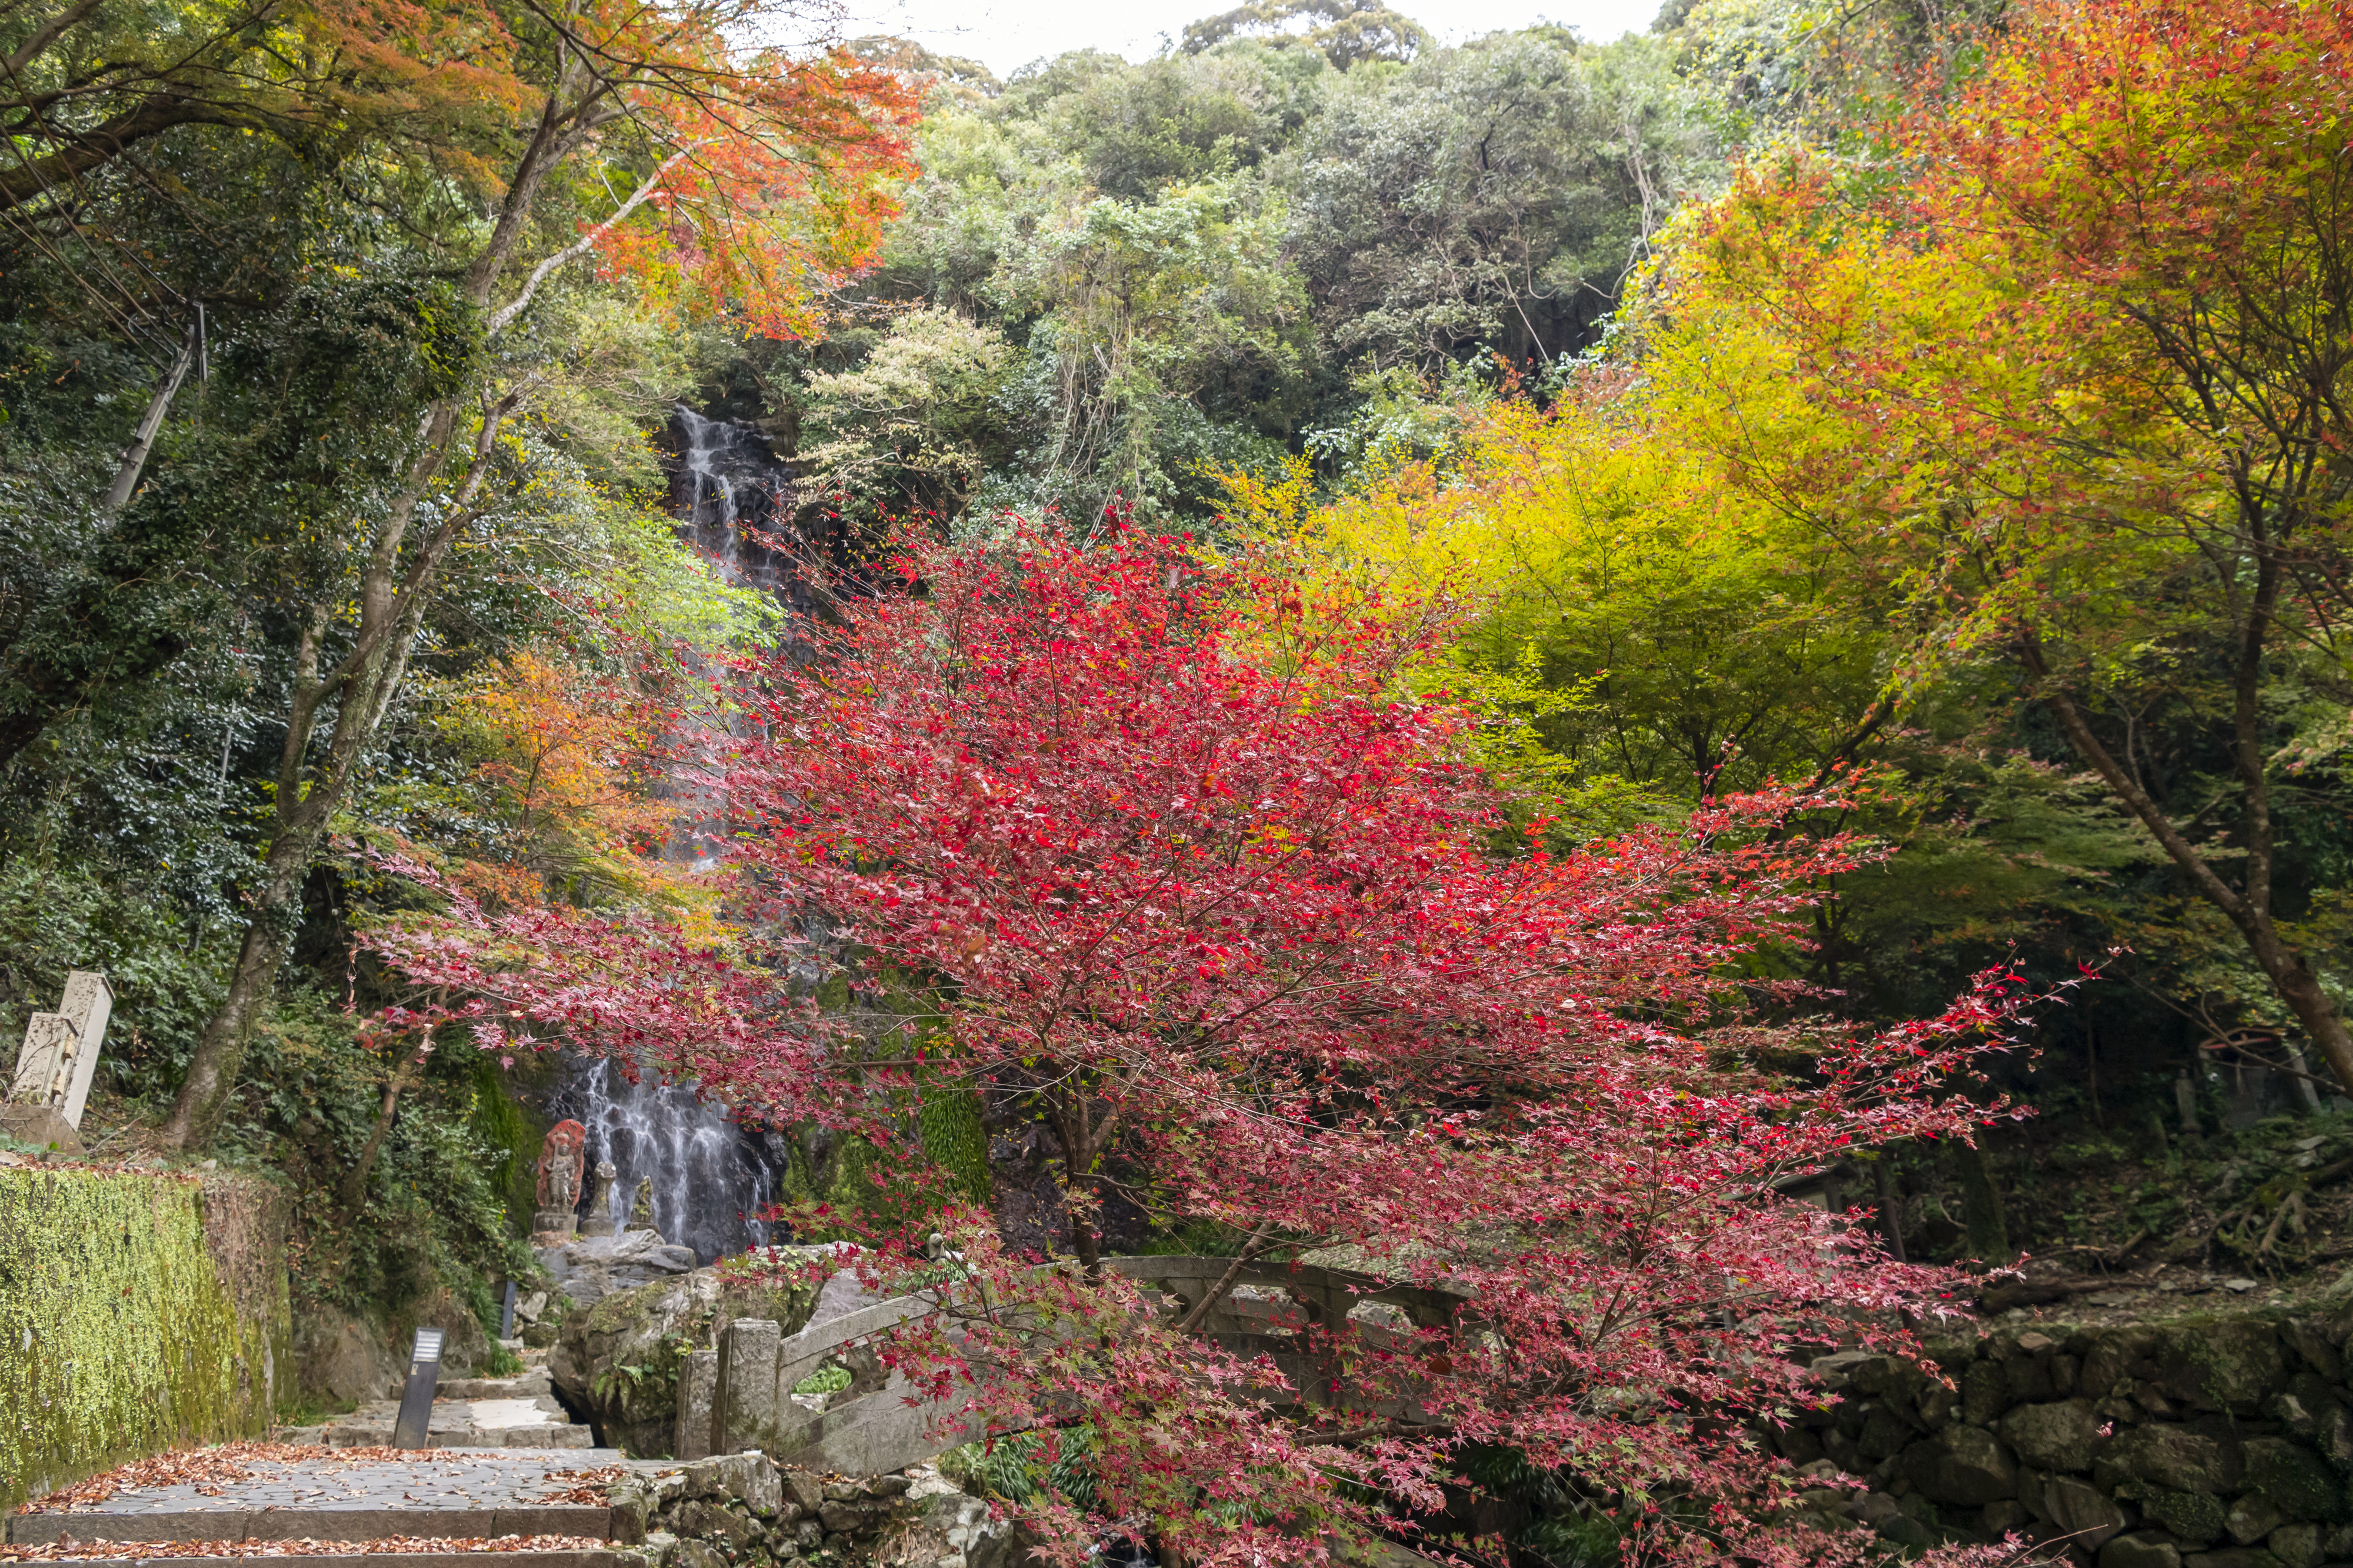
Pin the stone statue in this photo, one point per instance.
(561, 1158)
(600, 1201)
(641, 1204)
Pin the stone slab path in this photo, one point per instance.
(437, 1493)
(468, 1412)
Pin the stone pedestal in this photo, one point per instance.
(596, 1225)
(553, 1222)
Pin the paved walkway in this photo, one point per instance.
(441, 1492)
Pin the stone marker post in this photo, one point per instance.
(57, 1063)
(698, 1384)
(506, 1312)
(745, 1407)
(417, 1397)
(60, 1051)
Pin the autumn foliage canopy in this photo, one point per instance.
(1192, 885)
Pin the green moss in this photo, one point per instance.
(136, 1313)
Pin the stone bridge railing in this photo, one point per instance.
(739, 1397)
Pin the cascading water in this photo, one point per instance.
(712, 1176)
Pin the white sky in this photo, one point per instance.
(1005, 35)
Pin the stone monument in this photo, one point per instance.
(600, 1202)
(561, 1161)
(56, 1065)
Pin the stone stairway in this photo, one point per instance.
(527, 1509)
(518, 1412)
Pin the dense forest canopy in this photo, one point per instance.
(1881, 471)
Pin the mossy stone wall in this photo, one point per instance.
(137, 1313)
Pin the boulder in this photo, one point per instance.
(2292, 1479)
(2108, 1357)
(2196, 1518)
(2139, 1552)
(2251, 1518)
(1985, 1393)
(746, 1479)
(2173, 1457)
(620, 1359)
(1884, 1434)
(591, 1268)
(2062, 1437)
(2083, 1513)
(2295, 1545)
(2235, 1557)
(2235, 1365)
(1963, 1465)
(638, 1329)
(1864, 1372)
(2311, 1340)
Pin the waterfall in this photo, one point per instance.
(734, 502)
(710, 1175)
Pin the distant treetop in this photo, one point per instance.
(1350, 30)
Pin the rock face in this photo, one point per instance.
(619, 1361)
(345, 1359)
(592, 1267)
(2197, 1443)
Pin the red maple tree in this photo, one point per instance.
(1191, 882)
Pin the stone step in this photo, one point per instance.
(257, 1525)
(502, 1421)
(529, 1384)
(583, 1557)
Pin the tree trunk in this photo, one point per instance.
(354, 1186)
(212, 1073)
(2247, 907)
(394, 588)
(1982, 1215)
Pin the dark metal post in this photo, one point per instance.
(506, 1313)
(416, 1398)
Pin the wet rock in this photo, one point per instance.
(2293, 1479)
(2062, 1437)
(1964, 1465)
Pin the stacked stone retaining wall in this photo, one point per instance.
(2199, 1443)
(137, 1312)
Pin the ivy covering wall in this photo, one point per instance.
(137, 1313)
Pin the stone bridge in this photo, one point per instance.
(739, 1395)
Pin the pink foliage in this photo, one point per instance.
(1195, 885)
